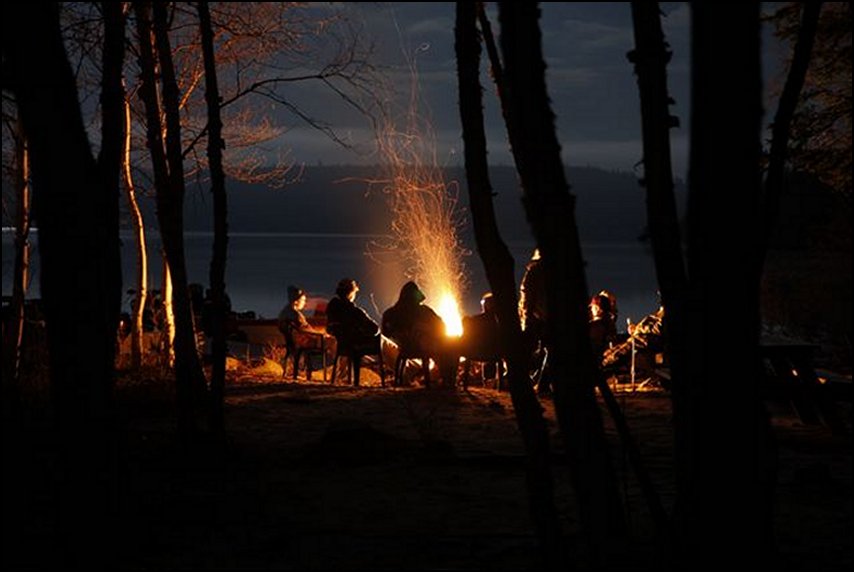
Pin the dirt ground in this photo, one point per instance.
(320, 476)
(335, 477)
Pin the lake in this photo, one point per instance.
(261, 266)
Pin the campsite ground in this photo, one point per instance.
(335, 477)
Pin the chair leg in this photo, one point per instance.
(357, 368)
(398, 370)
(425, 364)
(335, 368)
(466, 371)
(296, 364)
(323, 358)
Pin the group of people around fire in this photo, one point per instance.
(416, 330)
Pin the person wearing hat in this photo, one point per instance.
(349, 323)
(291, 315)
(300, 336)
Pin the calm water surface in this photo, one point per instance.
(260, 266)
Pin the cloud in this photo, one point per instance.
(441, 25)
(595, 36)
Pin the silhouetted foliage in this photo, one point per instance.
(821, 127)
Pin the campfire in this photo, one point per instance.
(449, 311)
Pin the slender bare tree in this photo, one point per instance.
(220, 223)
(167, 161)
(14, 332)
(550, 209)
(498, 263)
(141, 296)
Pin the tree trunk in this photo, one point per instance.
(650, 58)
(725, 462)
(190, 379)
(217, 271)
(169, 183)
(75, 204)
(138, 308)
(498, 263)
(551, 212)
(783, 120)
(20, 277)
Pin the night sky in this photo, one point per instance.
(591, 83)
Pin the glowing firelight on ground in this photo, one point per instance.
(426, 217)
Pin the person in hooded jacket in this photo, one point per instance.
(418, 330)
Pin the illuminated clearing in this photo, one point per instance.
(426, 221)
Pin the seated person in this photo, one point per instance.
(603, 321)
(350, 324)
(480, 332)
(293, 323)
(418, 330)
(480, 341)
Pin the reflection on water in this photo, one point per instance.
(260, 267)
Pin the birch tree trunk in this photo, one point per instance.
(138, 308)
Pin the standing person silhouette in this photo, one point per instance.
(533, 315)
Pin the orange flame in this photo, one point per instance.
(449, 311)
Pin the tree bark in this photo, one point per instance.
(169, 184)
(650, 58)
(725, 464)
(75, 205)
(190, 379)
(551, 212)
(220, 244)
(774, 180)
(138, 310)
(498, 263)
(20, 277)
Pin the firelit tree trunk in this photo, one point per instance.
(138, 309)
(217, 271)
(191, 389)
(169, 184)
(498, 263)
(75, 206)
(726, 458)
(550, 209)
(15, 330)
